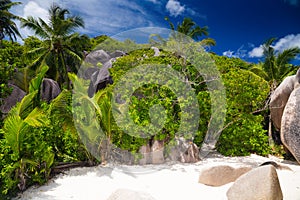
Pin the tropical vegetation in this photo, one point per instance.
(7, 25)
(40, 138)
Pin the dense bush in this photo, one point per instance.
(10, 61)
(244, 133)
(52, 136)
(246, 93)
(34, 140)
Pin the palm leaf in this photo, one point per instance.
(24, 108)
(13, 125)
(35, 83)
(258, 70)
(36, 118)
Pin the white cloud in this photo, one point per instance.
(109, 17)
(239, 53)
(100, 16)
(256, 52)
(286, 42)
(35, 10)
(154, 1)
(228, 53)
(175, 8)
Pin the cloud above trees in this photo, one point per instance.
(289, 41)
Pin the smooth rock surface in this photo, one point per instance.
(97, 56)
(10, 101)
(280, 97)
(221, 175)
(49, 89)
(290, 124)
(261, 183)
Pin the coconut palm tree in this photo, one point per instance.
(59, 47)
(7, 25)
(275, 68)
(277, 65)
(189, 28)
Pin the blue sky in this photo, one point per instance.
(238, 26)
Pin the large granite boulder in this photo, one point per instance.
(49, 89)
(146, 154)
(86, 73)
(280, 97)
(10, 101)
(117, 54)
(290, 124)
(221, 175)
(157, 152)
(183, 150)
(100, 79)
(97, 56)
(259, 183)
(125, 194)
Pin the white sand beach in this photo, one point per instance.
(167, 181)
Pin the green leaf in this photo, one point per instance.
(35, 83)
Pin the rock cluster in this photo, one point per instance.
(183, 151)
(285, 113)
(249, 184)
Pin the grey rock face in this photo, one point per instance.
(157, 152)
(280, 97)
(49, 89)
(117, 54)
(145, 151)
(221, 175)
(98, 56)
(10, 101)
(184, 151)
(290, 124)
(100, 78)
(257, 184)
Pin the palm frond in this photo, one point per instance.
(13, 125)
(36, 118)
(26, 105)
(258, 70)
(208, 42)
(35, 26)
(36, 82)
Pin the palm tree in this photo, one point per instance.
(275, 68)
(59, 48)
(7, 25)
(277, 64)
(189, 28)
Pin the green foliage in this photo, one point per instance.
(30, 156)
(61, 47)
(10, 60)
(7, 25)
(276, 65)
(148, 96)
(245, 91)
(110, 45)
(246, 95)
(61, 133)
(245, 136)
(189, 28)
(34, 139)
(225, 64)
